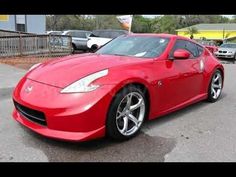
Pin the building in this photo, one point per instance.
(213, 31)
(24, 23)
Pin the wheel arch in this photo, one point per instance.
(138, 84)
(222, 72)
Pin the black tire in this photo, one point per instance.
(73, 48)
(94, 48)
(111, 127)
(210, 96)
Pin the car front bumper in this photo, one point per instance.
(224, 55)
(71, 117)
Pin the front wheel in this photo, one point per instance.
(73, 49)
(126, 114)
(215, 86)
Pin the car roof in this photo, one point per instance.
(161, 35)
(76, 31)
(165, 35)
(110, 30)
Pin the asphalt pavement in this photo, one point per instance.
(201, 132)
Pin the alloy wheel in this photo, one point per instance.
(130, 113)
(216, 85)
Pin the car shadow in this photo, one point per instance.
(141, 148)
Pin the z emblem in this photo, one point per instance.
(29, 89)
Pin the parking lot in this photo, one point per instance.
(201, 132)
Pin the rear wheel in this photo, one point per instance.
(73, 48)
(93, 48)
(126, 114)
(215, 86)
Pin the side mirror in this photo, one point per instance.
(181, 54)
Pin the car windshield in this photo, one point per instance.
(137, 46)
(228, 45)
(210, 43)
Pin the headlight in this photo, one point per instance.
(34, 66)
(84, 84)
(230, 52)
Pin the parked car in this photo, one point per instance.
(227, 50)
(55, 32)
(111, 92)
(100, 37)
(210, 45)
(79, 39)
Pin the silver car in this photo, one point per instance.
(79, 39)
(226, 50)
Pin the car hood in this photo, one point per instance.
(64, 71)
(227, 49)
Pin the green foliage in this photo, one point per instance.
(81, 22)
(141, 24)
(191, 31)
(159, 24)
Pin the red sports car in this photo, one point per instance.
(112, 91)
(210, 45)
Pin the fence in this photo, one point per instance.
(13, 33)
(43, 45)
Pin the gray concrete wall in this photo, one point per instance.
(8, 25)
(36, 24)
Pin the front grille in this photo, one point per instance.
(32, 115)
(221, 51)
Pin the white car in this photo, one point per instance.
(99, 38)
(79, 39)
(226, 50)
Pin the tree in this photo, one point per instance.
(226, 35)
(141, 24)
(106, 22)
(159, 24)
(191, 31)
(165, 24)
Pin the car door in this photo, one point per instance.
(80, 39)
(183, 78)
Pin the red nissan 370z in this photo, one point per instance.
(111, 92)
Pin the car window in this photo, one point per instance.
(114, 34)
(71, 33)
(200, 50)
(88, 34)
(67, 33)
(228, 45)
(104, 34)
(107, 34)
(187, 45)
(80, 34)
(136, 46)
